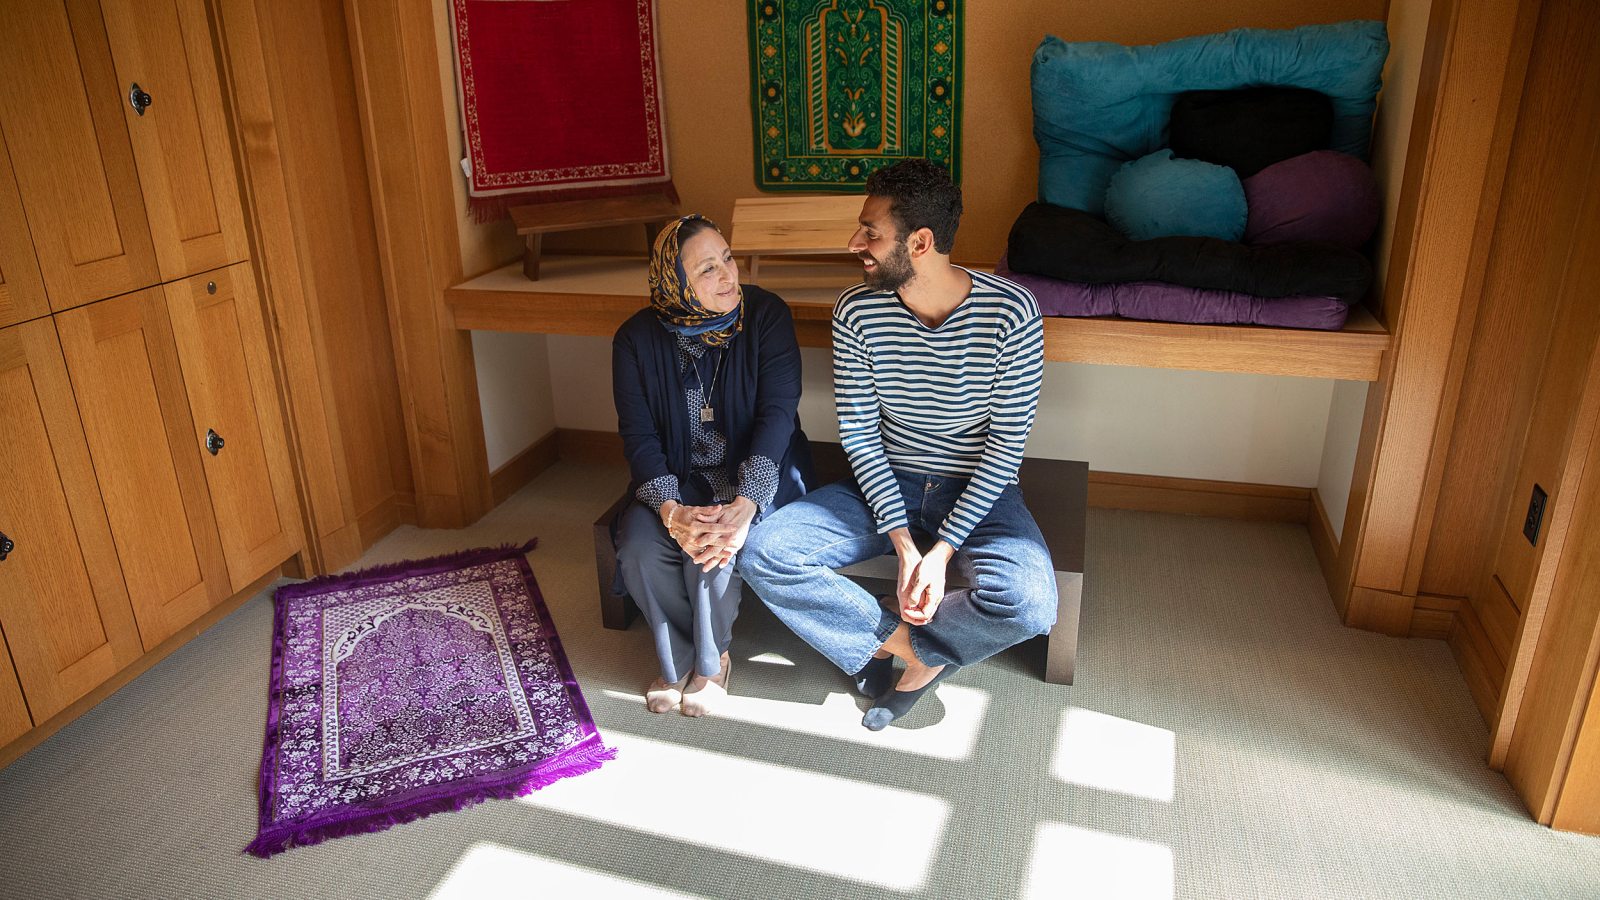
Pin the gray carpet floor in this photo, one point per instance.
(1226, 738)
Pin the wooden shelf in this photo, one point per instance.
(594, 294)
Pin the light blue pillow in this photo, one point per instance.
(1098, 105)
(1158, 196)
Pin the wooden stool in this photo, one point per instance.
(654, 211)
(793, 226)
(1057, 492)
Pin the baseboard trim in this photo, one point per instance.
(1469, 644)
(580, 445)
(526, 466)
(1433, 616)
(1200, 497)
(14, 751)
(1107, 490)
(1323, 541)
(385, 516)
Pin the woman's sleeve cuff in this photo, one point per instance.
(657, 491)
(758, 480)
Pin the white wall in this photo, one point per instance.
(1339, 450)
(1251, 428)
(513, 392)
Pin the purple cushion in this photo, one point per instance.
(1157, 301)
(1323, 196)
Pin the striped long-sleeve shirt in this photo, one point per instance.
(955, 400)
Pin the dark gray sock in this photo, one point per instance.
(897, 703)
(875, 677)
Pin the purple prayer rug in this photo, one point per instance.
(411, 689)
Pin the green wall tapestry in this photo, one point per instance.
(841, 88)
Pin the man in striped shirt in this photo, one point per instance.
(936, 374)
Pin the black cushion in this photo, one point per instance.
(1073, 245)
(1250, 128)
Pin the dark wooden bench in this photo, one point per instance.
(1057, 493)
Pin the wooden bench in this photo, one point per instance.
(1057, 493)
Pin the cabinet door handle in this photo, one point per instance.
(213, 442)
(138, 99)
(6, 546)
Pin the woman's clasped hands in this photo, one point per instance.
(711, 535)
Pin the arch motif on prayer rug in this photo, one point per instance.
(842, 88)
(411, 689)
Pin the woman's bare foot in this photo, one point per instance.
(661, 696)
(704, 693)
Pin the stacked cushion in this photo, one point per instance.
(1098, 105)
(1156, 161)
(1162, 302)
(1159, 196)
(1322, 196)
(1072, 245)
(1250, 129)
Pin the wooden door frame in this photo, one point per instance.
(394, 48)
(1473, 66)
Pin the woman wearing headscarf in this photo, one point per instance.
(707, 386)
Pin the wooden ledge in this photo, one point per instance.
(593, 295)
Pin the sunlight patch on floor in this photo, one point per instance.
(1079, 862)
(837, 717)
(1127, 757)
(736, 805)
(489, 870)
(772, 659)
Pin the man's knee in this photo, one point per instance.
(763, 549)
(1024, 591)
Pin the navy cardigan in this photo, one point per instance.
(756, 396)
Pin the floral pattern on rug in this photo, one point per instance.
(414, 689)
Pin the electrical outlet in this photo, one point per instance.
(1530, 525)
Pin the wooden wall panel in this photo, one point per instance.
(222, 347)
(14, 719)
(1565, 419)
(1516, 311)
(328, 512)
(395, 52)
(61, 109)
(1466, 103)
(1552, 703)
(181, 140)
(309, 67)
(1578, 806)
(130, 393)
(21, 289)
(63, 605)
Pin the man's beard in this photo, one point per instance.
(891, 272)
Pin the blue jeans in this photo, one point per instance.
(790, 560)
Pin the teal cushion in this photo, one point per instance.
(1098, 105)
(1158, 196)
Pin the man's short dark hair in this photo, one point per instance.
(921, 195)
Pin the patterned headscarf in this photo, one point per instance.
(673, 299)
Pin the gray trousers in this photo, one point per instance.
(690, 612)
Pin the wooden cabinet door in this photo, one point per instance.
(63, 606)
(61, 111)
(130, 394)
(222, 346)
(21, 289)
(14, 720)
(180, 141)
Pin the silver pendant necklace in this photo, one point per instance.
(707, 414)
